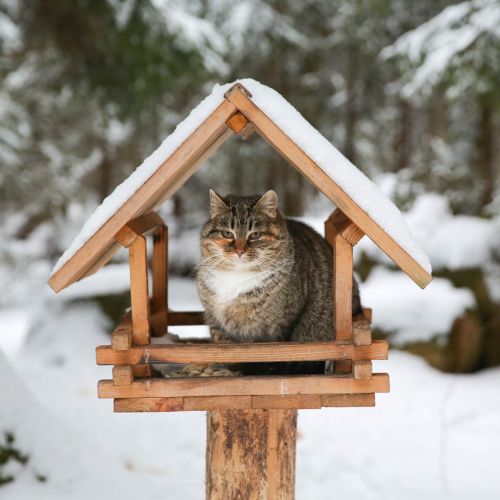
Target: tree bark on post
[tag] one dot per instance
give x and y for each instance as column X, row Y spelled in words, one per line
column 251, row 454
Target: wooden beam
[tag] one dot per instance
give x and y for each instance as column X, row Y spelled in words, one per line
column 159, row 298
column 121, row 338
column 207, row 403
column 347, row 400
column 241, row 126
column 362, row 370
column 243, row 386
column 300, row 160
column 140, row 226
column 139, row 291
column 296, row 401
column 336, row 227
column 339, row 224
column 240, row 353
column 362, row 332
column 167, row 179
column 123, row 375
column 148, row 405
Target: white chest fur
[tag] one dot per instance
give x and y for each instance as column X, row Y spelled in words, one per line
column 227, row 285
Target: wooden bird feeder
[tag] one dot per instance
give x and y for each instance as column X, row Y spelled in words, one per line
column 251, row 420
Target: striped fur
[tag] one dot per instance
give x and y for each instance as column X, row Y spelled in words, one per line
column 264, row 278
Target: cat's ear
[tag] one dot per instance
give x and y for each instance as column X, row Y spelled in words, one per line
column 217, row 205
column 268, row 203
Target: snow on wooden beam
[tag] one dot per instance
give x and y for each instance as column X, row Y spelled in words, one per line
column 323, row 182
column 163, row 183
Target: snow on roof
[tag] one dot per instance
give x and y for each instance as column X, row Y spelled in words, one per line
column 361, row 189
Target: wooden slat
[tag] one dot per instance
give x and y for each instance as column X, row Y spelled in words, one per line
column 298, row 158
column 362, row 370
column 148, row 404
column 121, row 338
column 362, row 332
column 184, row 318
column 240, row 353
column 241, row 126
column 347, row 400
column 159, row 298
column 342, row 269
column 123, row 375
column 169, row 177
column 343, row 226
column 207, row 403
column 140, row 226
column 299, row 401
column 237, row 123
column 368, row 314
column 139, row 291
column 243, row 386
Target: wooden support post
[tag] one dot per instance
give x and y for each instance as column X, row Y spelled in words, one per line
column 342, row 234
column 139, row 291
column 251, row 454
column 159, row 299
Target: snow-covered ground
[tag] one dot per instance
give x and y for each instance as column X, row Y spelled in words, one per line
column 433, row 436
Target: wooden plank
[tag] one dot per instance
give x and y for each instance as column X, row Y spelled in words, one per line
column 251, row 455
column 300, row 160
column 299, row 401
column 207, row 403
column 362, row 370
column 123, row 375
column 243, row 386
column 121, row 338
column 237, row 123
column 368, row 314
column 159, row 298
column 139, row 291
column 169, row 177
column 362, row 332
column 241, row 126
column 148, row 404
column 184, row 318
column 347, row 400
column 140, row 226
column 343, row 226
column 240, row 353
column 342, row 288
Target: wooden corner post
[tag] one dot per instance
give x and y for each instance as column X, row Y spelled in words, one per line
column 342, row 234
column 146, row 317
column 251, row 454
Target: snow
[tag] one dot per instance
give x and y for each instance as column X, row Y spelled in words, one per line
column 434, row 436
column 411, row 314
column 451, row 241
column 332, row 162
column 435, row 45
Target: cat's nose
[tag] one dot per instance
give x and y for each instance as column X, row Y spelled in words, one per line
column 240, row 251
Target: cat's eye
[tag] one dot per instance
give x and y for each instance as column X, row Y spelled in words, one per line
column 255, row 235
column 228, row 235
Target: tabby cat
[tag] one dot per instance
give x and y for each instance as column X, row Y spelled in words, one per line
column 262, row 277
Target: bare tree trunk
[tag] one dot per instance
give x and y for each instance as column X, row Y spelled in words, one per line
column 350, row 109
column 251, row 454
column 485, row 153
column 402, row 144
